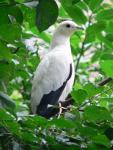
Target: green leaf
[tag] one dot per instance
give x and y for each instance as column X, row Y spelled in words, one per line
column 109, row 37
column 29, row 15
column 6, row 102
column 66, row 3
column 104, row 102
column 109, row 132
column 107, row 67
column 94, row 4
column 102, row 140
column 75, row 1
column 42, row 35
column 74, row 12
column 7, row 10
column 69, row 2
column 105, row 41
column 10, row 33
column 77, row 15
column 6, row 70
column 91, row 35
column 97, row 114
column 106, row 56
column 4, row 52
column 34, row 121
column 61, row 146
column 93, row 146
column 79, row 96
column 87, row 131
column 83, row 5
column 92, row 90
column 98, row 27
column 106, row 14
column 97, row 55
column 46, row 15
column 19, row 1
column 13, row 127
column 62, row 123
column 21, row 73
column 28, row 137
column 110, row 26
column 5, row 116
column 4, row 1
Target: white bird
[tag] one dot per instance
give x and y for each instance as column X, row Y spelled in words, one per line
column 54, row 76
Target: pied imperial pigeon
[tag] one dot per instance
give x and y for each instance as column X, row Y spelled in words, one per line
column 54, row 76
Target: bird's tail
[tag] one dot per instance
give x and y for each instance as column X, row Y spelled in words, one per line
column 48, row 112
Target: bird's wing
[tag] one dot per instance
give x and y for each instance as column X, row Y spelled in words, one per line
column 50, row 79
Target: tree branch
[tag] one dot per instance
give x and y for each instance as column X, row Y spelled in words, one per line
column 105, row 81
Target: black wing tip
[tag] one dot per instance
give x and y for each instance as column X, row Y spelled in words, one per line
column 50, row 112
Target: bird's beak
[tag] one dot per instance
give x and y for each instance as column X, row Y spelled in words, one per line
column 77, row 27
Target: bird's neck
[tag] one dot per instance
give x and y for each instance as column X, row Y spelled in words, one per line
column 60, row 40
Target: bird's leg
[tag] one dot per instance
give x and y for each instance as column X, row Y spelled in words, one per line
column 61, row 109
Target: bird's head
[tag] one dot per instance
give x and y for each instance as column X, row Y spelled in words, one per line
column 63, row 33
column 66, row 28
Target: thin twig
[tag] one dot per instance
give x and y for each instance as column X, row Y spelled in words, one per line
column 79, row 57
column 82, row 49
column 94, row 97
column 97, row 96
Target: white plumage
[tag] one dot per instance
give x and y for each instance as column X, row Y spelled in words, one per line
column 54, row 76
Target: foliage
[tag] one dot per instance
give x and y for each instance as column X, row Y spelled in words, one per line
column 88, row 124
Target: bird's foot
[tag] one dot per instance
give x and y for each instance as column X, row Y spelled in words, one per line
column 61, row 109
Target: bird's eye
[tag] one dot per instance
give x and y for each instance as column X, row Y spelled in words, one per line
column 68, row 25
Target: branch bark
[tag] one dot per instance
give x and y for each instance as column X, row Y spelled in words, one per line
column 105, row 81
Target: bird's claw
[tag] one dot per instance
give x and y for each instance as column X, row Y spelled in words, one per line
column 61, row 109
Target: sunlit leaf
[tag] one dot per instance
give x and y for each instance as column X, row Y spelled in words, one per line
column 92, row 90
column 74, row 12
column 107, row 67
column 94, row 4
column 97, row 114
column 10, row 33
column 79, row 95
column 101, row 139
column 106, row 14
